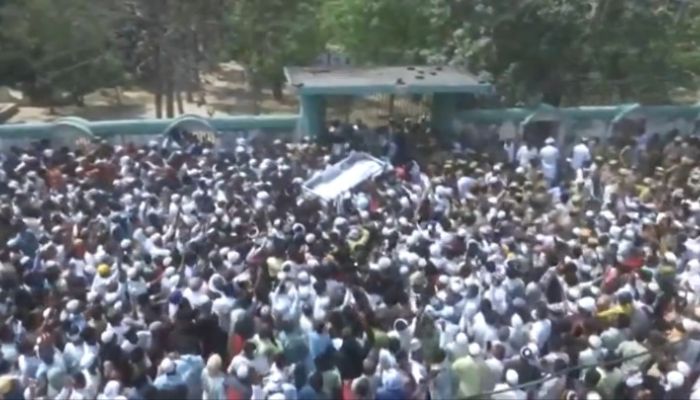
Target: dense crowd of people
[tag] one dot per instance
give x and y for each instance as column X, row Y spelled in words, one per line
column 189, row 271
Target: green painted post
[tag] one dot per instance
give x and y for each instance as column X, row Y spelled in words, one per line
column 312, row 115
column 444, row 112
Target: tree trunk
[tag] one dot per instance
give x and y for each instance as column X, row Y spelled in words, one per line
column 118, row 93
column 255, row 89
column 392, row 101
column 192, row 72
column 277, row 92
column 170, row 98
column 180, row 105
column 158, row 95
column 158, row 98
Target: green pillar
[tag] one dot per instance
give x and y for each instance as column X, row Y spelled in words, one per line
column 444, row 112
column 312, row 115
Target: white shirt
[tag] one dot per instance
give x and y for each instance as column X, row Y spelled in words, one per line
column 464, row 185
column 514, row 394
column 238, row 361
column 540, row 332
column 580, row 156
column 196, row 298
column 549, row 156
column 524, row 156
column 510, row 150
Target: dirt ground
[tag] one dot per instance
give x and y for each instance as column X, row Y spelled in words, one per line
column 226, row 93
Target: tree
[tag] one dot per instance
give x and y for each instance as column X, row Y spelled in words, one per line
column 384, row 32
column 558, row 51
column 269, row 34
column 57, row 49
column 168, row 44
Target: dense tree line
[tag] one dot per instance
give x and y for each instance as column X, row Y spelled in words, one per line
column 554, row 51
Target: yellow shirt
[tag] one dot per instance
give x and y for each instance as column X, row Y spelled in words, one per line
column 612, row 313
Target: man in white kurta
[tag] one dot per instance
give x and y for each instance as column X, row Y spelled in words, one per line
column 549, row 158
column 580, row 156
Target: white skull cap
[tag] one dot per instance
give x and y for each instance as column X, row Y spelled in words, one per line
column 167, row 365
column 384, row 262
column 474, row 349
column 107, row 336
column 675, row 379
column 512, row 377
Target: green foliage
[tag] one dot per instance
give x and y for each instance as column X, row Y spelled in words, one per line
column 378, row 31
column 556, row 51
column 266, row 35
column 56, row 48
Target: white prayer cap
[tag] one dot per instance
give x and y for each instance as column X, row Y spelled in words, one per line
column 593, row 396
column 92, row 296
column 312, row 263
column 670, row 257
column 587, row 304
column 262, row 195
column 574, row 293
column 595, row 342
column 443, row 279
column 674, row 380
column 303, row 277
column 512, row 377
column 127, row 346
column 107, row 336
column 384, row 263
column 276, row 396
column 404, row 270
column 167, row 366
column 233, row 256
column 549, row 140
column 456, row 284
column 72, row 305
column 461, row 339
column 362, row 202
column 474, row 349
column 132, row 272
column 310, row 238
column 339, row 221
column 654, row 287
